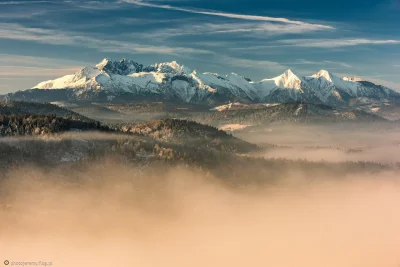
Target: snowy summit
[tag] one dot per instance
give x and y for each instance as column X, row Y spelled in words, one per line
column 170, row 80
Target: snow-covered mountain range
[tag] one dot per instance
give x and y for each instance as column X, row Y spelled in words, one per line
column 170, row 80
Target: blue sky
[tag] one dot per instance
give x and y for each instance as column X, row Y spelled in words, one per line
column 45, row 39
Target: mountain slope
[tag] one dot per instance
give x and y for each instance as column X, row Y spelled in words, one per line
column 287, row 112
column 170, row 81
column 336, row 91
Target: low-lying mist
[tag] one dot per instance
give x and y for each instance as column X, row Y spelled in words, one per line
column 384, row 155
column 112, row 215
column 329, row 142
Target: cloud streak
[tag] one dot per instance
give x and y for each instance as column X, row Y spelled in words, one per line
column 32, row 61
column 23, row 2
column 322, row 62
column 256, row 30
column 21, row 72
column 54, row 37
column 250, row 63
column 229, row 15
column 317, row 43
column 331, row 43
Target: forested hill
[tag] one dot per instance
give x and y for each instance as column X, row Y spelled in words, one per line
column 180, row 132
column 24, row 108
column 288, row 112
column 36, row 125
column 190, row 133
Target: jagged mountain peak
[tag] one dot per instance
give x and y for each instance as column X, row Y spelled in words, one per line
column 288, row 80
column 122, row 67
column 172, row 80
column 102, row 63
column 324, row 74
column 288, row 72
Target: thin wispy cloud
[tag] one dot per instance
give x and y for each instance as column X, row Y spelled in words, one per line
column 18, row 66
column 33, row 61
column 322, row 62
column 316, row 43
column 94, row 5
column 331, row 43
column 251, row 29
column 55, row 37
column 250, row 63
column 228, row 15
column 23, row 71
column 23, row 2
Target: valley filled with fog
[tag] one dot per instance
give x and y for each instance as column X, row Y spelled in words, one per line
column 294, row 187
column 328, row 142
column 108, row 213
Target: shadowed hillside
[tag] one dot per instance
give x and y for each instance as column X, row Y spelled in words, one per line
column 23, row 108
column 190, row 133
column 285, row 113
column 36, row 125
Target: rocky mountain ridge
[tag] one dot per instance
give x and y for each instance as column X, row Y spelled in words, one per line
column 170, row 81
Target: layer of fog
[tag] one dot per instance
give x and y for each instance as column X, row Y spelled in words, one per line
column 110, row 216
column 329, row 142
column 384, row 154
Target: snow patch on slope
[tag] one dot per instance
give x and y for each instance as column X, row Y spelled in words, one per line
column 171, row 67
column 353, row 79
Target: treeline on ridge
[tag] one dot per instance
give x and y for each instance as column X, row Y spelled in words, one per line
column 190, row 133
column 286, row 113
column 24, row 108
column 35, row 125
